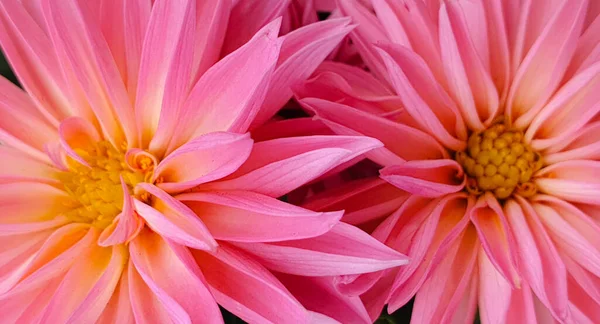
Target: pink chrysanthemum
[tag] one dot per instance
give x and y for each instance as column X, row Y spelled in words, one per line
column 130, row 189
column 490, row 179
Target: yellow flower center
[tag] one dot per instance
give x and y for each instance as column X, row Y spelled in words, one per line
column 497, row 160
column 96, row 190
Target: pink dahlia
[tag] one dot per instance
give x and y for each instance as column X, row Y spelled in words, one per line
column 130, row 189
column 490, row 175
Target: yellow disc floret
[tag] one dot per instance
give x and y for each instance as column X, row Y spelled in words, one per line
column 96, row 190
column 497, row 160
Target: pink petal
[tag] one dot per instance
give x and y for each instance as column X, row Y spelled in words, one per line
column 496, row 239
column 290, row 128
column 427, row 178
column 250, row 217
column 495, row 293
column 165, row 76
column 248, row 290
column 77, row 133
column 174, row 284
column 247, row 17
column 21, row 125
column 541, row 70
column 383, row 199
column 572, row 231
column 539, row 263
column 87, row 287
column 420, row 93
column 556, row 122
column 301, row 52
column 20, row 167
column 206, row 158
column 147, row 307
column 438, row 299
column 125, row 226
column 319, row 295
column 469, row 81
column 376, row 298
column 136, row 15
column 430, row 241
column 343, row 250
column 585, row 145
column 29, row 50
column 574, row 181
column 74, row 30
column 369, row 30
column 416, row 144
column 227, row 96
column 17, row 207
column 279, row 166
column 583, row 307
column 118, row 309
column 172, row 219
column 588, row 48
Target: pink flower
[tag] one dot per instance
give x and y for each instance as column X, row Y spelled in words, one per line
column 490, row 178
column 130, row 188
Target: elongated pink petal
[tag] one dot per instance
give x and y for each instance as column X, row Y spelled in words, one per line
column 146, row 305
column 384, row 198
column 574, row 181
column 343, row 250
column 420, row 145
column 438, row 299
column 279, row 166
column 495, row 236
column 227, row 96
column 573, row 231
column 290, row 128
column 495, row 292
column 136, row 15
column 28, row 48
column 16, row 199
column 21, row 125
column 420, row 92
column 93, row 65
column 543, row 67
column 125, row 226
column 173, row 220
column 248, row 290
column 585, row 145
column 24, row 228
column 118, row 309
column 77, row 133
column 206, row 158
column 369, row 30
column 538, row 261
column 173, row 283
column 588, row 48
column 584, row 307
column 247, row 18
column 250, row 217
column 428, row 178
column 320, row 295
column 20, row 167
column 430, row 241
column 469, row 81
column 101, row 273
column 301, row 53
column 164, row 73
column 555, row 122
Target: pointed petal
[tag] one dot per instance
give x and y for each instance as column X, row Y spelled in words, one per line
column 173, row 220
column 542, row 69
column 279, row 166
column 585, row 145
column 227, row 96
column 427, row 178
column 125, row 226
column 320, row 295
column 417, row 144
column 118, row 309
column 136, row 15
column 147, row 307
column 20, row 167
column 301, row 53
column 206, row 158
column 241, row 216
column 173, row 283
column 343, row 250
column 30, row 136
column 17, row 207
column 248, row 290
column 496, row 239
column 494, row 292
column 539, row 263
column 571, row 180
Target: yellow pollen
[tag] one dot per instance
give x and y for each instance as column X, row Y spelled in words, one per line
column 96, row 190
column 497, row 160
